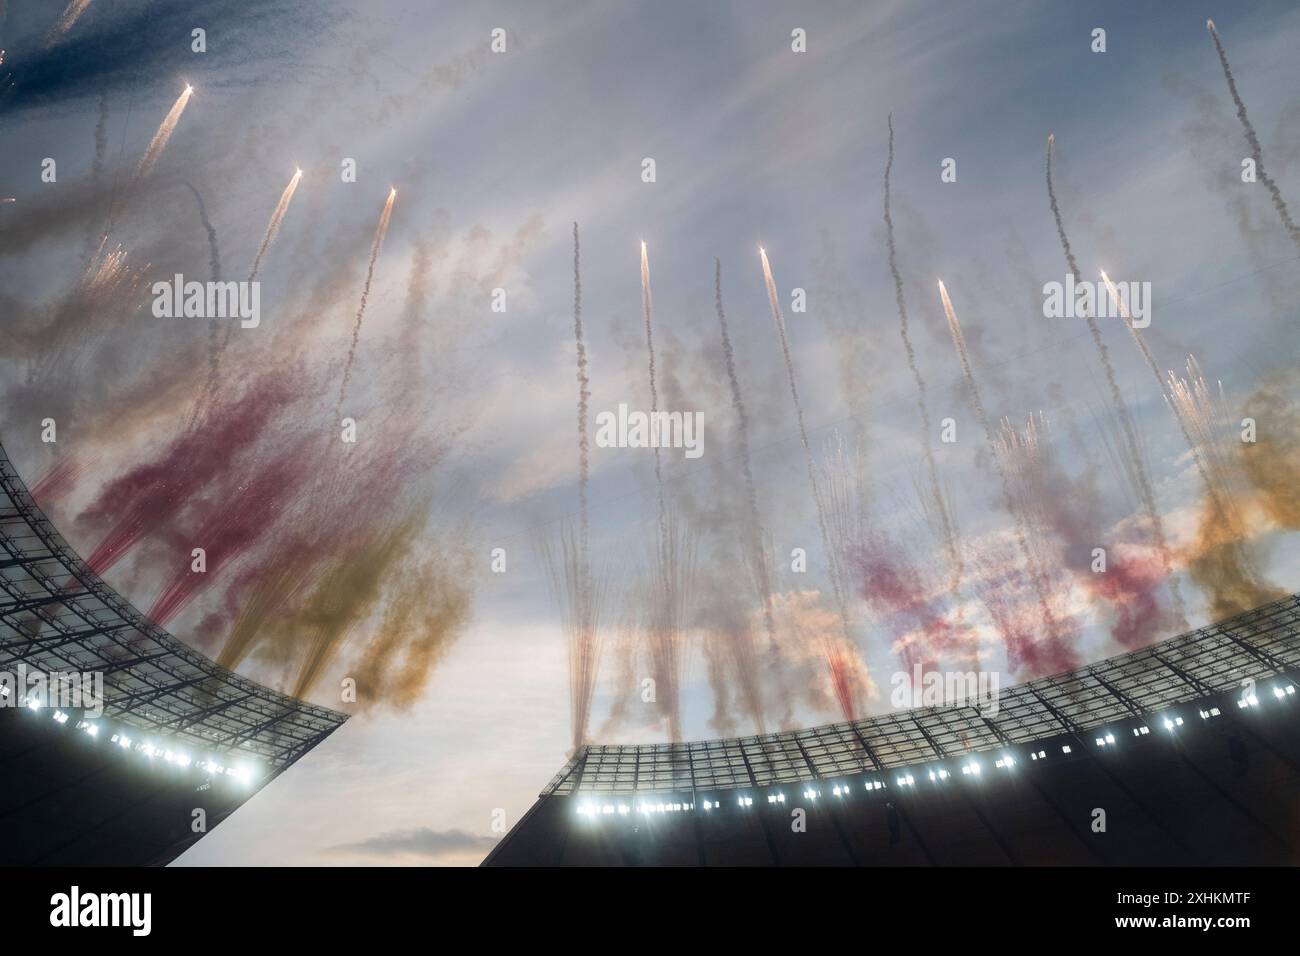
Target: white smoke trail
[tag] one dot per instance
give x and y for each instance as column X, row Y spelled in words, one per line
column 160, row 138
column 832, row 558
column 758, row 554
column 70, row 15
column 1136, row 463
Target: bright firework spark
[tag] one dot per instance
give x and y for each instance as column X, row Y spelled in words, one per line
column 160, row 138
column 69, row 16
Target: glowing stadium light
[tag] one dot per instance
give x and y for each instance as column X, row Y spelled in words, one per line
column 810, row 794
column 4, row 690
column 1279, row 693
column 33, row 703
column 1005, row 762
column 244, row 775
column 624, row 809
column 745, row 801
column 971, row 768
column 92, row 729
column 124, row 743
column 60, row 717
column 1290, row 689
column 1065, row 748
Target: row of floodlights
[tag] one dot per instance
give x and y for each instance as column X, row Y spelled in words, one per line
column 91, row 729
column 1281, row 693
column 971, row 768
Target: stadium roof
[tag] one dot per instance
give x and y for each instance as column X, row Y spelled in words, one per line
column 1210, row 660
column 56, row 615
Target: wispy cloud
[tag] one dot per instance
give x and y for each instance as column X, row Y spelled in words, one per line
column 421, row 841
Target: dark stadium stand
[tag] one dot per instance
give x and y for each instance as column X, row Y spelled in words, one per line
column 1185, row 752
column 178, row 733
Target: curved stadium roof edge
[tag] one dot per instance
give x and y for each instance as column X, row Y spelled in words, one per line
column 56, row 615
column 1258, row 644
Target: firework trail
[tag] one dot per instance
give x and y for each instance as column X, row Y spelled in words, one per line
column 160, row 138
column 647, row 307
column 1050, row 497
column 584, row 394
column 675, row 552
column 61, row 26
column 1137, row 464
column 277, row 217
column 883, row 574
column 1256, row 150
column 818, row 630
column 935, row 499
column 1220, row 562
column 217, row 343
column 675, row 563
column 214, row 270
column 1223, row 559
column 424, row 613
column 59, row 480
column 347, row 593
column 376, row 244
column 226, row 532
column 1216, row 492
column 214, row 251
column 581, row 599
column 762, row 571
column 1050, row 623
column 108, row 281
column 832, row 559
column 569, row 566
column 101, row 137
column 152, row 494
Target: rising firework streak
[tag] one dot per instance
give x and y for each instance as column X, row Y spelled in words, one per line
column 674, row 551
column 277, row 217
column 832, row 559
column 159, row 141
column 69, row 16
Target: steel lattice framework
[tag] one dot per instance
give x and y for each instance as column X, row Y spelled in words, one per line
column 56, row 615
column 1259, row 644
